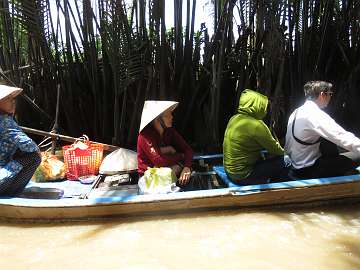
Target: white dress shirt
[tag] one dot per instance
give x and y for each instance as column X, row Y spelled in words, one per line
column 311, row 124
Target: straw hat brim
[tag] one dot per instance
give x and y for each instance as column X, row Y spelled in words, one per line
column 154, row 108
column 8, row 91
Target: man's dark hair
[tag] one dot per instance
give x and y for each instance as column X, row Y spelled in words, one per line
column 312, row 89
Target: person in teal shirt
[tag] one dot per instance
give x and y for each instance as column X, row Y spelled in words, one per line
column 246, row 136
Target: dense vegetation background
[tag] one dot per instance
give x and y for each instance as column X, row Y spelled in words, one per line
column 107, row 57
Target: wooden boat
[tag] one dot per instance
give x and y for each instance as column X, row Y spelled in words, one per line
column 124, row 200
column 72, row 200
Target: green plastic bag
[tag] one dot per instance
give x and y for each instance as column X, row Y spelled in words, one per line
column 158, row 181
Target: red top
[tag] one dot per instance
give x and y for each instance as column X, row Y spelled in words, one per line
column 148, row 149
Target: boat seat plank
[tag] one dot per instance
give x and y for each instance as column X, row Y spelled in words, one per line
column 220, row 171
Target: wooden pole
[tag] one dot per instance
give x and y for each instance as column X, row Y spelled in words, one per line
column 107, row 147
column 55, row 127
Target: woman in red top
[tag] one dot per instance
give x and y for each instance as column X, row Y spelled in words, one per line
column 159, row 144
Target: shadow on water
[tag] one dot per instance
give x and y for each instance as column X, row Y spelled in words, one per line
column 344, row 212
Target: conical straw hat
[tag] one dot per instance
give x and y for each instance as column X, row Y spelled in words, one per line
column 6, row 91
column 152, row 109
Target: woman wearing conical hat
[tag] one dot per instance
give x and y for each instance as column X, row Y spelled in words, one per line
column 159, row 144
column 19, row 155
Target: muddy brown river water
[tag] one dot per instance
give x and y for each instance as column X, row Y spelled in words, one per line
column 319, row 238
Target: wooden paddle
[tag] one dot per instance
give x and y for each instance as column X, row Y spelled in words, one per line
column 41, row 193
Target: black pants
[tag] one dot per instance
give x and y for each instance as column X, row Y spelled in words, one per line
column 15, row 185
column 331, row 163
column 266, row 171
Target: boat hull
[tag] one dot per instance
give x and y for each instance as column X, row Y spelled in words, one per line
column 273, row 195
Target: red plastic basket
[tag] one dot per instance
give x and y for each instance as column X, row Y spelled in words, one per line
column 82, row 162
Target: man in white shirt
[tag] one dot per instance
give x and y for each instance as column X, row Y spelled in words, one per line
column 307, row 126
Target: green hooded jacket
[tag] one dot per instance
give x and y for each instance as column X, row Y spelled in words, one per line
column 246, row 135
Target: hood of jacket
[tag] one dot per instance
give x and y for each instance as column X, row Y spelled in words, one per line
column 253, row 103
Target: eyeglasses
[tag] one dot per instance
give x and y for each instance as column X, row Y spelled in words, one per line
column 330, row 93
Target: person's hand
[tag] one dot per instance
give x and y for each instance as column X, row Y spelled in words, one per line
column 287, row 161
column 185, row 176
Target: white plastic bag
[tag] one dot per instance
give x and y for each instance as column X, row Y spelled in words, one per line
column 158, row 181
column 119, row 160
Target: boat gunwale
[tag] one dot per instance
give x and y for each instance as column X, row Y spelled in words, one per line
column 317, row 194
column 158, row 198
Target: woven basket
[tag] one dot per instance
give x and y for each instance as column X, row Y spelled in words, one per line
column 82, row 158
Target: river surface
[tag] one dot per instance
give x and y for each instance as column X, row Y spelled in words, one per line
column 322, row 238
